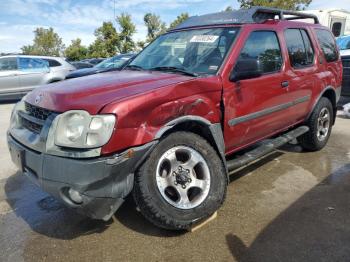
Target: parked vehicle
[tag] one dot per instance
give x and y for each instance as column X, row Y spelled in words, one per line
column 338, row 20
column 164, row 126
column 81, row 65
column 93, row 61
column 344, row 46
column 111, row 64
column 20, row 74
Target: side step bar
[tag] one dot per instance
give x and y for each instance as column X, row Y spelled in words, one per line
column 265, row 148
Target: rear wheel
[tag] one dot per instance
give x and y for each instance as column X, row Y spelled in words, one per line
column 320, row 124
column 182, row 182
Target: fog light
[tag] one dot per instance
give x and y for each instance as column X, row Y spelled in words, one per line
column 75, row 196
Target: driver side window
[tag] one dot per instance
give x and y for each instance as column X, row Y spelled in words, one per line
column 264, row 47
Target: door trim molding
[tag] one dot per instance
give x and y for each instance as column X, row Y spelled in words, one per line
column 267, row 111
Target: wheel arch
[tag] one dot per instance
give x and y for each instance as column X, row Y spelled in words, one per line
column 331, row 94
column 211, row 132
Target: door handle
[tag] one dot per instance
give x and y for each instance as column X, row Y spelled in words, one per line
column 285, row 84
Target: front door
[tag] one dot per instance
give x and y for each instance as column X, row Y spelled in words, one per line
column 257, row 107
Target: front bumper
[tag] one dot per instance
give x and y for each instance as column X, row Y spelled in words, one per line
column 102, row 182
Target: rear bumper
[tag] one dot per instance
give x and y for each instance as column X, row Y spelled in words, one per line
column 102, row 183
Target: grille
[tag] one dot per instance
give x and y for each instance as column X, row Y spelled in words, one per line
column 34, row 127
column 37, row 112
column 33, row 118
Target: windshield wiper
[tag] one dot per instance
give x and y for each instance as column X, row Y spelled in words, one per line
column 134, row 67
column 174, row 69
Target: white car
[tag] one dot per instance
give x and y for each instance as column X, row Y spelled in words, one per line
column 19, row 74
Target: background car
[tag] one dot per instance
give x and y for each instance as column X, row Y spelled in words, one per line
column 19, row 74
column 81, row 65
column 93, row 61
column 111, row 64
column 344, row 46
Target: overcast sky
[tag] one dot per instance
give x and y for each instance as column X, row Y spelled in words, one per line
column 79, row 18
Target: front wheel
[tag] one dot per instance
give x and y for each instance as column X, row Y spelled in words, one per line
column 320, row 124
column 182, row 182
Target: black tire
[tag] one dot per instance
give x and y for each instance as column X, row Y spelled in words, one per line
column 310, row 141
column 153, row 205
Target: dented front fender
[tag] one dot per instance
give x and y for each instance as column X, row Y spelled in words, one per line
column 141, row 117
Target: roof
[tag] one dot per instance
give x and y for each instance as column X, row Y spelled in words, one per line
column 37, row 56
column 252, row 15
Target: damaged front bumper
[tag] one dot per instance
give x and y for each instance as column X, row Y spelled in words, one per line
column 100, row 184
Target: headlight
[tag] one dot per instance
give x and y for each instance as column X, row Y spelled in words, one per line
column 14, row 122
column 78, row 129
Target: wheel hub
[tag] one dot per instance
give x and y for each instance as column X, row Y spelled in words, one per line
column 182, row 177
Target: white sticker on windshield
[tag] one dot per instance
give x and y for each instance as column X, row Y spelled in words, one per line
column 204, row 38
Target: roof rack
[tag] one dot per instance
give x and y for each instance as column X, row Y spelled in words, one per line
column 252, row 15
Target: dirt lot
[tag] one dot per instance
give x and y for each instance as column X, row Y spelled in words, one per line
column 292, row 206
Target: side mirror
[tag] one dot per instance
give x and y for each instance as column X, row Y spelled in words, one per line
column 245, row 69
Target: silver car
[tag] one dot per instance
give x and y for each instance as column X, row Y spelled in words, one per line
column 19, row 74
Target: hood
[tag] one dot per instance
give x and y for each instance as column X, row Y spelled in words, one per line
column 93, row 92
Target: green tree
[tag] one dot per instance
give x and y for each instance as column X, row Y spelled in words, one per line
column 106, row 43
column 127, row 30
column 140, row 45
column 28, row 50
column 283, row 4
column 155, row 26
column 179, row 19
column 76, row 51
column 229, row 8
column 46, row 42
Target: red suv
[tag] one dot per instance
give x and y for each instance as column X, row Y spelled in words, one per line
column 164, row 126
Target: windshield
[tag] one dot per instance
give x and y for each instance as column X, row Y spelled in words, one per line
column 114, row 62
column 198, row 51
column 343, row 43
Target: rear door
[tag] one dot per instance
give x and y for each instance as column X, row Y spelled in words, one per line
column 301, row 69
column 32, row 72
column 9, row 80
column 257, row 107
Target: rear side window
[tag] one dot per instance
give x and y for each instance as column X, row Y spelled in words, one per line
column 264, row 46
column 8, row 63
column 299, row 47
column 52, row 63
column 327, row 44
column 32, row 64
